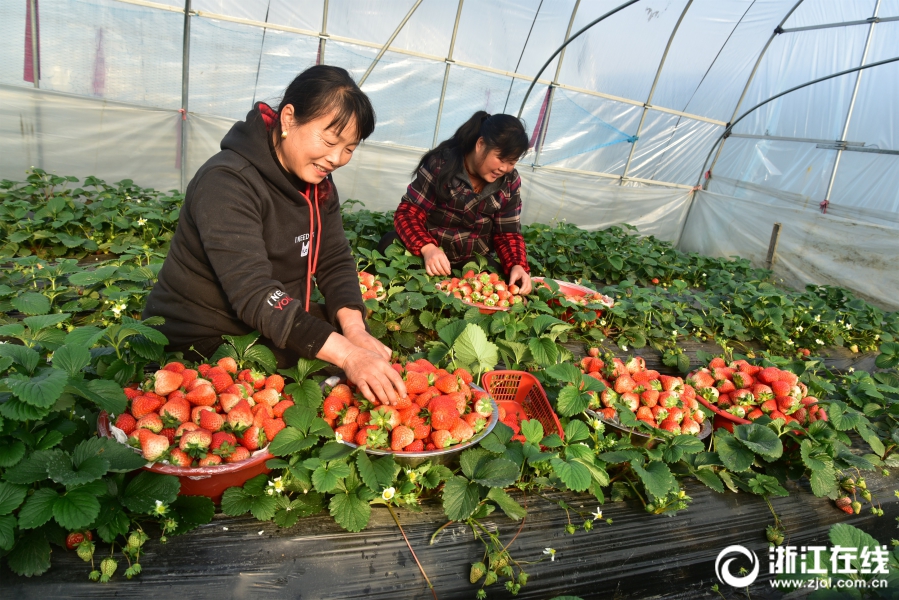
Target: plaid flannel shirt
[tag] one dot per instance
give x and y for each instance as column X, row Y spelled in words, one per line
column 469, row 223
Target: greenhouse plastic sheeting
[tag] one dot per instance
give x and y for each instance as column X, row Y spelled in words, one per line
column 814, row 248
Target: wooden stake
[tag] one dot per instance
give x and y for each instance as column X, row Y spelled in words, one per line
column 772, row 246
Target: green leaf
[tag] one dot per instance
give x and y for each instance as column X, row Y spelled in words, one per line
column 576, row 431
column 326, row 477
column 710, row 478
column 434, row 475
column 76, row 509
column 300, row 417
column 823, row 481
column 450, row 332
column 11, row 452
column 544, row 351
column 377, row 474
column 38, row 509
column 305, row 367
column 28, row 358
column 473, row 350
column 289, row 441
column 263, row 357
column 51, row 439
column 144, row 490
column 7, row 532
column 565, row 372
column 19, row 410
column 760, row 440
column 573, row 474
column 507, row 504
column 11, row 496
column 847, row 536
column 734, row 455
column 306, row 394
column 496, row 440
column 496, row 473
column 105, row 393
column 674, row 449
column 43, row 321
column 460, row 498
column 350, row 511
column 30, row 556
column 121, row 458
column 334, row 451
column 86, row 337
column 42, row 390
column 571, row 401
column 264, row 507
column 32, row 468
column 656, row 478
column 236, row 501
column 532, row 430
column 619, row 456
column 808, row 449
column 765, row 485
column 71, row 359
column 61, row 471
column 31, row 303
column 472, row 459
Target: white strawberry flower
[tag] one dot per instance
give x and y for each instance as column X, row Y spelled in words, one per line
column 142, row 222
column 275, row 486
column 789, row 342
column 338, row 436
column 161, row 508
column 551, row 552
column 819, row 342
column 597, row 514
column 388, row 494
column 799, row 328
column 818, row 318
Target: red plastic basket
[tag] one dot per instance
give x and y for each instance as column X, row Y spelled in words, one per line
column 523, row 388
column 204, row 481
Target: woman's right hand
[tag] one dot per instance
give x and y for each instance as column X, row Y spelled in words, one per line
column 436, row 262
column 374, row 376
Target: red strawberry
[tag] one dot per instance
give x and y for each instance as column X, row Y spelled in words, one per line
column 649, row 398
column 781, row 388
column 275, row 382
column 341, row 390
column 447, row 384
column 228, row 401
column 174, row 367
column 415, row 446
column 483, row 406
column 422, row 431
column 252, row 438
column 174, row 412
column 725, row 386
column 223, row 443
column 240, row 453
column 196, row 443
column 189, row 426
column 701, row 379
column 624, row 383
column 644, row 413
column 635, row 364
column 196, row 411
column 400, row 437
column 461, row 430
column 332, row 406
column 442, row 439
column 690, row 427
column 221, row 381
column 153, row 447
column 443, row 417
column 272, row 427
column 768, row 406
column 240, row 417
column 670, row 425
column 180, row 458
column 464, row 376
column 346, row 432
column 203, row 368
column 769, row 375
column 211, row 421
column 742, row 380
column 165, row 382
column 279, row 408
column 268, row 396
column 210, row 460
column 676, row 413
column 151, row 422
column 169, row 433
column 228, row 364
column 132, row 392
column 416, row 383
column 630, row 400
column 762, row 392
column 74, row 539
column 126, row 423
column 144, row 405
column 201, row 395
column 717, row 362
column 844, row 503
column 671, row 384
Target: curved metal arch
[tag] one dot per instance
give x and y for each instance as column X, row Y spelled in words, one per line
column 652, row 91
column 389, row 41
column 755, row 69
column 562, row 47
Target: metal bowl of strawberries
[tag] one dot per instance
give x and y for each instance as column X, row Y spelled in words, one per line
column 445, row 412
column 208, row 426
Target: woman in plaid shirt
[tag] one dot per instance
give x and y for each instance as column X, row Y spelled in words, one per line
column 466, row 199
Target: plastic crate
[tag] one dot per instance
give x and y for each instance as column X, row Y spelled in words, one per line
column 523, row 388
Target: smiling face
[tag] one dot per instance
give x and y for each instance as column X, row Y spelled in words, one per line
column 311, row 151
column 487, row 164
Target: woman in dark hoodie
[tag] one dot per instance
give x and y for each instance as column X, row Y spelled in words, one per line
column 261, row 225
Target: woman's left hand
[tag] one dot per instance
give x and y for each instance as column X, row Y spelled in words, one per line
column 358, row 336
column 518, row 274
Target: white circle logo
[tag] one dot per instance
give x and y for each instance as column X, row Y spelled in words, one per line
column 722, row 569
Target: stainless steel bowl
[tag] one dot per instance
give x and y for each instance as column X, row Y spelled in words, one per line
column 447, row 456
column 638, row 438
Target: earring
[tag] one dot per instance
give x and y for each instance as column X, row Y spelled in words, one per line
column 283, row 135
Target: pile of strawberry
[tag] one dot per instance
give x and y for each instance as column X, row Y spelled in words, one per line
column 513, row 420
column 441, row 409
column 482, row 289
column 371, row 288
column 589, row 298
column 204, row 416
column 749, row 391
column 667, row 403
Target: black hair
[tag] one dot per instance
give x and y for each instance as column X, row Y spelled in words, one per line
column 503, row 132
column 324, row 89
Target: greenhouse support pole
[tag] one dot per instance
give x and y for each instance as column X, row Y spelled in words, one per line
column 35, row 47
column 389, row 41
column 652, row 91
column 755, row 68
column 323, row 37
column 446, row 72
column 185, row 79
column 772, row 246
column 858, row 81
column 552, row 89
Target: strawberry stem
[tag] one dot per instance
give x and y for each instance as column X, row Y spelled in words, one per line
column 439, row 529
column 420, row 568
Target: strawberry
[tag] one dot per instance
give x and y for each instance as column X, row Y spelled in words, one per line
column 443, row 416
column 460, row 400
column 669, row 399
column 461, row 430
column 442, row 439
column 670, row 425
column 476, row 421
column 272, row 427
column 608, row 397
column 153, row 447
column 221, row 438
column 74, row 539
column 332, row 406
column 844, row 503
column 676, row 413
column 240, row 453
column 346, row 432
column 189, row 426
column 386, row 417
column 275, row 382
column 220, row 380
column 671, row 384
column 252, row 438
column 416, row 382
column 630, row 400
column 179, row 458
column 762, row 392
column 269, row 396
column 769, row 375
column 228, row 364
column 725, row 386
column 649, row 398
column 169, row 433
column 644, row 413
column 210, row 460
column 447, row 384
column 196, row 443
column 240, row 417
column 126, row 423
column 789, row 377
column 342, row 391
column 768, row 406
column 165, row 382
column 174, row 367
column 743, row 396
column 196, row 411
column 483, row 407
column 132, row 392
column 151, row 422
column 690, row 427
column 701, row 379
column 464, row 376
column 786, row 404
column 174, row 412
column 624, row 383
column 635, row 364
column 400, row 437
column 781, row 388
column 202, row 395
column 776, row 414
column 415, row 446
column 279, row 408
column 211, row 421
column 144, row 405
column 742, row 380
column 722, row 373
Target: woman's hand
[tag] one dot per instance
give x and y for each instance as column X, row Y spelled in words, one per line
column 519, row 274
column 358, row 336
column 436, row 262
column 374, row 376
